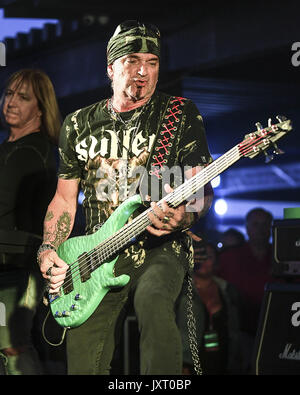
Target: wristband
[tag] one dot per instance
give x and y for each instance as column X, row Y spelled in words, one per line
column 42, row 248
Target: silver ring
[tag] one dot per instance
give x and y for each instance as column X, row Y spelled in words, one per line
column 166, row 219
column 48, row 272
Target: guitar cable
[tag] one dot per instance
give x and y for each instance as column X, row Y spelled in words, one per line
column 44, row 335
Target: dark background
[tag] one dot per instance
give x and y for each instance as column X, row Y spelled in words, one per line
column 233, row 58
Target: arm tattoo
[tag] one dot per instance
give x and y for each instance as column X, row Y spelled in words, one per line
column 59, row 232
column 49, row 216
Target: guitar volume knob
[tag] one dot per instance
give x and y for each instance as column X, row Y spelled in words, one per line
column 65, row 313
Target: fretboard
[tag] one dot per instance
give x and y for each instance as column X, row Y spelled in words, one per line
column 130, row 231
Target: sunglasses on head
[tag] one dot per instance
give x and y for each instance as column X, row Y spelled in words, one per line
column 131, row 24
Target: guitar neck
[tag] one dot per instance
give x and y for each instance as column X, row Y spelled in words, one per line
column 192, row 185
column 130, row 231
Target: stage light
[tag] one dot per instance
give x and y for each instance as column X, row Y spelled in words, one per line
column 80, row 197
column 221, row 207
column 216, row 182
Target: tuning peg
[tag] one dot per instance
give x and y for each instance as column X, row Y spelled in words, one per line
column 281, row 118
column 268, row 157
column 277, row 150
column 258, row 126
column 269, row 122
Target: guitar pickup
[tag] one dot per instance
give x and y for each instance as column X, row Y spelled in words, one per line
column 68, row 283
column 85, row 268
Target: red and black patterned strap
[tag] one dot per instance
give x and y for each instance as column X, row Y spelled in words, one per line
column 163, row 142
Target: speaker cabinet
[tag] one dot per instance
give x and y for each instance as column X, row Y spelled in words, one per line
column 277, row 343
column 286, row 248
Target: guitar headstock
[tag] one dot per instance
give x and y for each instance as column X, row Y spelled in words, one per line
column 265, row 138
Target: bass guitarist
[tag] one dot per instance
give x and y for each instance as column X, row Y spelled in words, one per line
column 103, row 148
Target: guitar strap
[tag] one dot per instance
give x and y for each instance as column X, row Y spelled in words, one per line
column 163, row 151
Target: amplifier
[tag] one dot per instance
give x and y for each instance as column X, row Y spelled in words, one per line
column 277, row 343
column 286, row 248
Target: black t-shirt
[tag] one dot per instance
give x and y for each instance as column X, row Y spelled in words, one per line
column 106, row 153
column 27, row 182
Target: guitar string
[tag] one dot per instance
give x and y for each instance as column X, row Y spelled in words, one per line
column 175, row 198
column 192, row 187
column 100, row 257
column 140, row 227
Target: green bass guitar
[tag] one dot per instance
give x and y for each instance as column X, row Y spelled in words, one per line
column 91, row 258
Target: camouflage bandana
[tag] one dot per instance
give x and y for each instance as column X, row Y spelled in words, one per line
column 133, row 37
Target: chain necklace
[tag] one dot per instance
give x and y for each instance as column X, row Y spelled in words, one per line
column 117, row 117
column 132, row 123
